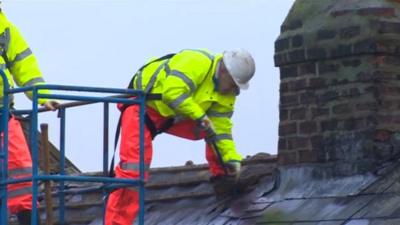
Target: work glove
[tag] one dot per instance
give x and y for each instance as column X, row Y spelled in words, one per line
column 51, row 105
column 224, row 186
column 233, row 168
column 206, row 125
column 227, row 185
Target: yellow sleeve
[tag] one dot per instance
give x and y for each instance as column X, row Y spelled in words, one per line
column 22, row 63
column 220, row 114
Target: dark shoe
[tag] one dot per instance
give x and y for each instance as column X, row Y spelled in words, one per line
column 24, row 218
column 224, row 186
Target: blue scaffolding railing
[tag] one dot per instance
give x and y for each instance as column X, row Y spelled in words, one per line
column 124, row 96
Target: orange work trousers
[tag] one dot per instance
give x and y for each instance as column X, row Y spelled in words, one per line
column 19, row 166
column 123, row 203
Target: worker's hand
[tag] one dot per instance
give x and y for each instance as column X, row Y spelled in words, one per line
column 205, row 124
column 51, row 105
column 233, row 168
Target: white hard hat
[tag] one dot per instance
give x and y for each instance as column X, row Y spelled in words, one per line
column 240, row 66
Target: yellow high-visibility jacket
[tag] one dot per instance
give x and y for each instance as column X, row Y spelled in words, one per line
column 187, row 83
column 20, row 65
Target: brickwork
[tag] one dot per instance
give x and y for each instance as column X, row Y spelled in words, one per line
column 340, row 82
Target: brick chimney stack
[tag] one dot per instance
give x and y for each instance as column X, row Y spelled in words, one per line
column 339, row 66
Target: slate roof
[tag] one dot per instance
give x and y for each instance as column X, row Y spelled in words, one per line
column 186, row 190
column 313, row 194
column 296, row 195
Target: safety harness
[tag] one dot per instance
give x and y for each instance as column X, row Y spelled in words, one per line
column 154, row 131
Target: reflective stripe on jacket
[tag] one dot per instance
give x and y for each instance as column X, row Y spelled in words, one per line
column 20, row 64
column 186, row 82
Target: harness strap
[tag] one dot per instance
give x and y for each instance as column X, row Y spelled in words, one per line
column 153, row 129
column 151, row 126
column 149, row 123
column 130, row 86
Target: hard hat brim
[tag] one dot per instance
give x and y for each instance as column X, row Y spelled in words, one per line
column 244, row 86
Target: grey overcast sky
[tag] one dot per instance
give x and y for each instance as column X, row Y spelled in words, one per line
column 103, row 42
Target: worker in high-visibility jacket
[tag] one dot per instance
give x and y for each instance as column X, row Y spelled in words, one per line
column 21, row 67
column 198, row 95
